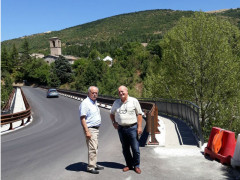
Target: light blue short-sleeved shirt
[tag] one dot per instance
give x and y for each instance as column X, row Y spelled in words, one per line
column 90, row 110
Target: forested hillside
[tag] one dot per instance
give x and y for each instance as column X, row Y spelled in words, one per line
column 139, row 26
column 143, row 26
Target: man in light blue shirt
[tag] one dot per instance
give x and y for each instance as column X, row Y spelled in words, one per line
column 91, row 120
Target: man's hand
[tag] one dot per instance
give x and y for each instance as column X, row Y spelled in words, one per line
column 85, row 128
column 88, row 135
column 115, row 125
column 139, row 122
column 139, row 130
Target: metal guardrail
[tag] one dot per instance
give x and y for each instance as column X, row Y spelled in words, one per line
column 7, row 108
column 184, row 110
column 19, row 116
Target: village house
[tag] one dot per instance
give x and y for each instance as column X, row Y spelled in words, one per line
column 108, row 60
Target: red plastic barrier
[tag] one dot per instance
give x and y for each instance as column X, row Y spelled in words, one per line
column 214, row 131
column 228, row 146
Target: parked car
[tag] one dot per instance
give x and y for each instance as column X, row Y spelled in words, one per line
column 52, row 93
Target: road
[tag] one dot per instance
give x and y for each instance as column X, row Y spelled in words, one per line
column 53, row 147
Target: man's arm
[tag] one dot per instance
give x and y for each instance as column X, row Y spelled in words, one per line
column 139, row 122
column 85, row 128
column 115, row 124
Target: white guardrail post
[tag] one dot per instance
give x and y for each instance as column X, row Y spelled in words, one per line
column 235, row 161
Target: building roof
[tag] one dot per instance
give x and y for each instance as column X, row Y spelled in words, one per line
column 51, row 56
column 37, row 55
column 107, row 58
column 69, row 57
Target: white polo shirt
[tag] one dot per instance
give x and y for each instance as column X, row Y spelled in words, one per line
column 126, row 113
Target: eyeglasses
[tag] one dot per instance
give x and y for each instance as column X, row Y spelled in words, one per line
column 94, row 93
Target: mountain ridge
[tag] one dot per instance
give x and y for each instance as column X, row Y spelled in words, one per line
column 142, row 26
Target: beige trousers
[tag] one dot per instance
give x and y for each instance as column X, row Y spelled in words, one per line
column 92, row 144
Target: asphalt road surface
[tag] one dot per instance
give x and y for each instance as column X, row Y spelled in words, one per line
column 53, row 147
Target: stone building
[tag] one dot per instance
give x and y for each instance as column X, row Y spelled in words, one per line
column 56, row 51
column 55, row 46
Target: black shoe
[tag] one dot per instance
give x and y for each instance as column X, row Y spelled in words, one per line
column 93, row 171
column 99, row 167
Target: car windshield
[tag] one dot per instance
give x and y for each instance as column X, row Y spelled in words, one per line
column 52, row 91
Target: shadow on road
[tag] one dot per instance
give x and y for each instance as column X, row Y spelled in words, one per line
column 81, row 166
column 144, row 137
column 113, row 165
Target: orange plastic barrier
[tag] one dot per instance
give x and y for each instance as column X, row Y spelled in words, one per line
column 217, row 142
column 224, row 145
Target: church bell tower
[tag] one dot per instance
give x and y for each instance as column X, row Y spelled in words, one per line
column 55, row 46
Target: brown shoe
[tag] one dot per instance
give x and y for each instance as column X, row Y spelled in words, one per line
column 126, row 168
column 138, row 170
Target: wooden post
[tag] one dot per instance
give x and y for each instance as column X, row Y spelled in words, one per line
column 156, row 125
column 153, row 139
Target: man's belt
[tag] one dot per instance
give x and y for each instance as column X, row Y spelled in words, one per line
column 128, row 126
column 95, row 127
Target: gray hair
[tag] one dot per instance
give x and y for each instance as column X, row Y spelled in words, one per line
column 123, row 87
column 89, row 89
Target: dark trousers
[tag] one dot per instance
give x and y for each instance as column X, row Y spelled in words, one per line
column 129, row 139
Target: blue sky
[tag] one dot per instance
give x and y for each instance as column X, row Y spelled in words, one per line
column 26, row 17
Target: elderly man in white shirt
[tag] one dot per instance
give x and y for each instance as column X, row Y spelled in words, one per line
column 126, row 116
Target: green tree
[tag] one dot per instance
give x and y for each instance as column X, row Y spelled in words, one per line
column 6, row 87
column 89, row 72
column 25, row 57
column 4, row 59
column 40, row 71
column 94, row 55
column 201, row 64
column 9, row 60
column 53, row 80
column 14, row 56
column 111, row 80
column 63, row 70
column 94, row 72
column 155, row 48
column 23, row 64
column 79, row 68
column 18, row 76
